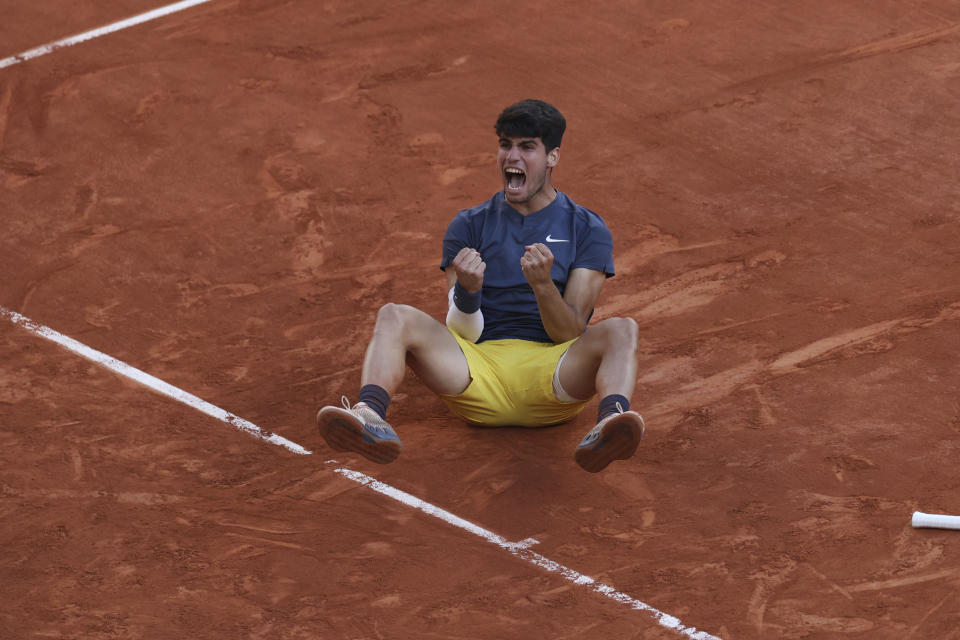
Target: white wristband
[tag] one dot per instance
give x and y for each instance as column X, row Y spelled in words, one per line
column 934, row 520
column 468, row 326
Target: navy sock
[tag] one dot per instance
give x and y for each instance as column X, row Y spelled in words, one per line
column 609, row 405
column 376, row 398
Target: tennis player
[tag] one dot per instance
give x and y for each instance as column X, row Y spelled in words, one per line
column 524, row 272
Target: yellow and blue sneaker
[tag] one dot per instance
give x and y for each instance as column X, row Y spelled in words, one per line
column 359, row 429
column 616, row 437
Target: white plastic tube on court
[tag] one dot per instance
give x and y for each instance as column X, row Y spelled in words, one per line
column 935, row 521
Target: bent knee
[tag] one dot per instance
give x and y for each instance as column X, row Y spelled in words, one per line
column 623, row 331
column 395, row 315
column 404, row 322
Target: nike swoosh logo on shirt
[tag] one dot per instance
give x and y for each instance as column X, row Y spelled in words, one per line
column 550, row 238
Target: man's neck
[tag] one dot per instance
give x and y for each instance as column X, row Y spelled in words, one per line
column 539, row 202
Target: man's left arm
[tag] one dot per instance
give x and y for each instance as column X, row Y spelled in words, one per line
column 564, row 317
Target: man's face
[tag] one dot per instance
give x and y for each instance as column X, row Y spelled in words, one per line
column 525, row 166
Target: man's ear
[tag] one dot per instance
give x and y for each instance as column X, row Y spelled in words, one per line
column 553, row 157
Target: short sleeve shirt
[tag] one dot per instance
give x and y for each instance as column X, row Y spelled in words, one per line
column 577, row 237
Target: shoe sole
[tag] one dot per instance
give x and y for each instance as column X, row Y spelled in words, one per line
column 344, row 432
column 618, row 441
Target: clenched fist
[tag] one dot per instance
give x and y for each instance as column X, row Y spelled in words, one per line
column 536, row 264
column 469, row 267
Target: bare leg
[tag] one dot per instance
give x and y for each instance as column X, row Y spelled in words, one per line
column 603, row 360
column 405, row 335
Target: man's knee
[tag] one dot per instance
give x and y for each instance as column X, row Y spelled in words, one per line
column 394, row 316
column 403, row 322
column 623, row 332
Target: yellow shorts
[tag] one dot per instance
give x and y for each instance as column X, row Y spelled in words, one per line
column 512, row 384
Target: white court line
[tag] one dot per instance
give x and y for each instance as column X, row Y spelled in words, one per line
column 519, row 549
column 96, row 33
column 149, row 381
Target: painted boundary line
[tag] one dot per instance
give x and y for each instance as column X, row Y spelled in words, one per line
column 101, row 31
column 519, row 549
column 522, row 551
column 149, row 381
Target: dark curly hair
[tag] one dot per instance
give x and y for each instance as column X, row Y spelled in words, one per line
column 532, row 119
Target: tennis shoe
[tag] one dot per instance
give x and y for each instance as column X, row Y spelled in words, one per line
column 359, row 429
column 616, row 437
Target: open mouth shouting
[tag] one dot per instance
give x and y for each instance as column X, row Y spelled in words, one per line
column 514, row 180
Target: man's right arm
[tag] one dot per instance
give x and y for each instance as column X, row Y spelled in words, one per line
column 465, row 285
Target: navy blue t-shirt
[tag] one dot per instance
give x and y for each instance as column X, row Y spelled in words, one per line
column 577, row 237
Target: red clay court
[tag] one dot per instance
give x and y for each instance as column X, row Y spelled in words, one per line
column 223, row 197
